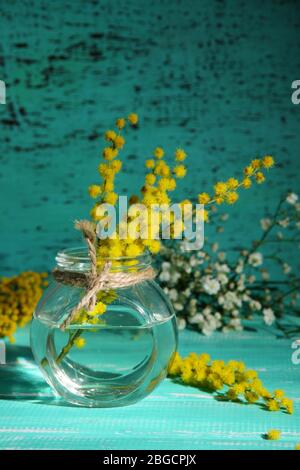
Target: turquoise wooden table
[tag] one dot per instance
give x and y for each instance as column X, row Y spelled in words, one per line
column 173, row 417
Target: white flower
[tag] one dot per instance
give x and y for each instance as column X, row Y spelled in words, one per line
column 239, row 267
column 255, row 305
column 207, row 329
column 269, row 316
column 265, row 275
column 222, row 267
column 165, row 266
column 222, row 278
column 292, row 198
column 207, row 311
column 236, row 324
column 198, row 318
column 255, row 259
column 164, row 276
column 241, row 283
column 191, row 310
column 230, row 300
column 221, row 255
column 286, row 268
column 265, row 223
column 210, row 325
column 178, row 306
column 173, row 295
column 284, row 222
column 181, row 323
column 210, row 285
column 245, row 298
column 193, row 261
column 175, row 276
column 279, row 235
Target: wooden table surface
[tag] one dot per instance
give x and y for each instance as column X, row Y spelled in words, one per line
column 173, row 417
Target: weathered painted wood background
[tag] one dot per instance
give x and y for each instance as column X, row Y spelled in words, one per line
column 212, row 76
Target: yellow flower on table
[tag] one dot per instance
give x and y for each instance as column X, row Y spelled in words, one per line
column 287, row 403
column 273, row 435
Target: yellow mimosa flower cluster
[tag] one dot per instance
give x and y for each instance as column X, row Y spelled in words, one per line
column 160, row 181
column 79, row 342
column 232, row 379
column 273, row 435
column 104, row 298
column 226, row 191
column 18, row 298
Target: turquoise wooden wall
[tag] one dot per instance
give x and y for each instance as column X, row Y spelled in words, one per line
column 211, row 76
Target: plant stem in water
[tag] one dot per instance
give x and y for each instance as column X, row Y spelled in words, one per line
column 65, row 349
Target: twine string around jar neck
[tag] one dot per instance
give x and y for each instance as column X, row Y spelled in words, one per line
column 94, row 281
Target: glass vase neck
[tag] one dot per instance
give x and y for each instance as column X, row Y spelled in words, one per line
column 78, row 260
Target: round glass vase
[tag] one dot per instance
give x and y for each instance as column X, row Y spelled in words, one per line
column 115, row 361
